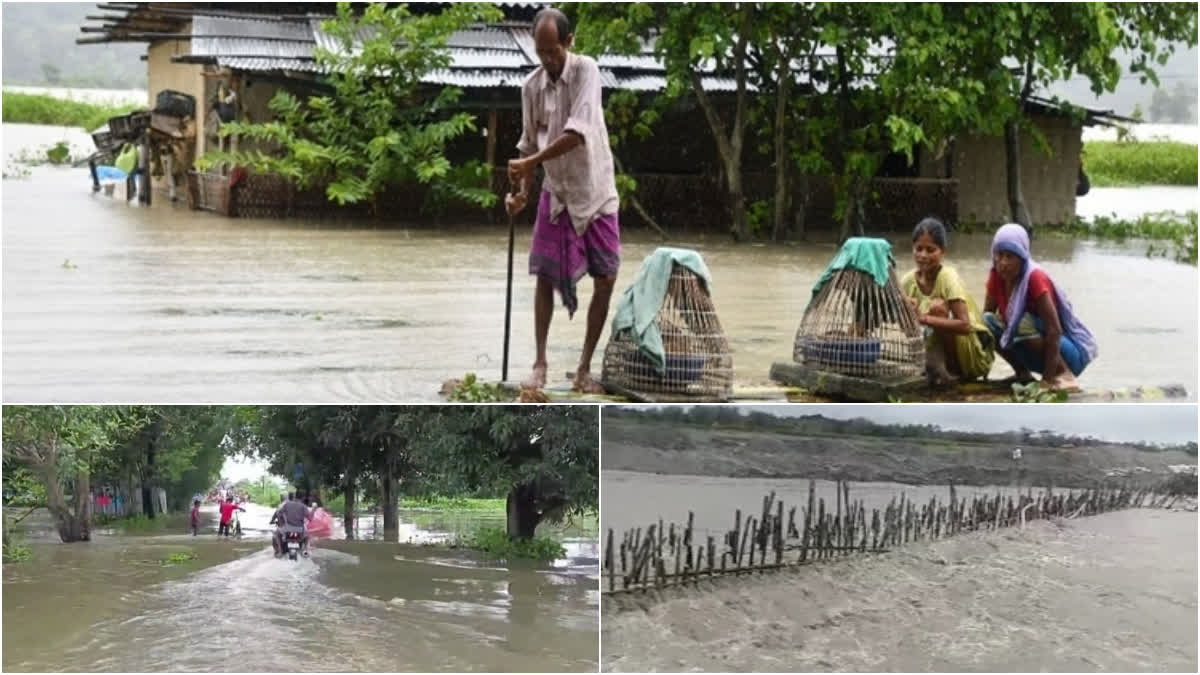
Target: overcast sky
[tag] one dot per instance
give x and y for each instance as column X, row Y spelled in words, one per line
column 1170, row 423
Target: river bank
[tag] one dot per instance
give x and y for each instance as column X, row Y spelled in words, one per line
column 629, row 445
column 1054, row 596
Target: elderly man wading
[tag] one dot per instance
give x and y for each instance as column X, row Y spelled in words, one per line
column 576, row 229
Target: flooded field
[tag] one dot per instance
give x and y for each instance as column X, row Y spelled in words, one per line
column 109, row 605
column 108, row 301
column 1113, row 592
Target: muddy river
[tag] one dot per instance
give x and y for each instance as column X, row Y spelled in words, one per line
column 1054, row 597
column 107, row 301
column 110, row 605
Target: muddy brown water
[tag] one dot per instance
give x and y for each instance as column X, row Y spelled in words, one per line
column 106, row 301
column 367, row 606
column 1113, row 592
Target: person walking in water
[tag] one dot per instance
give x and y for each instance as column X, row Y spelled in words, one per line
column 576, row 229
column 195, row 517
column 227, row 509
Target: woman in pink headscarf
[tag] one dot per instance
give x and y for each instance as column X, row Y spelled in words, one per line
column 320, row 523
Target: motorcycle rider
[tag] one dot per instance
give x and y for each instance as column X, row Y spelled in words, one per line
column 292, row 515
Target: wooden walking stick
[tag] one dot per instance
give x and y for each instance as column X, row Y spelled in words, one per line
column 508, row 294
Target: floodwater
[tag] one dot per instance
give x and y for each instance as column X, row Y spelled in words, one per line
column 108, row 605
column 634, row 499
column 1113, row 592
column 106, row 301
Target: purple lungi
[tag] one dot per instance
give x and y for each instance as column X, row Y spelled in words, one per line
column 562, row 256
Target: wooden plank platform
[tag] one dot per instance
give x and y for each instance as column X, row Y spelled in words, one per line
column 827, row 383
column 825, row 386
column 782, row 391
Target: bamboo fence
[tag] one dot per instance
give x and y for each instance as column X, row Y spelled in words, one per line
column 665, row 555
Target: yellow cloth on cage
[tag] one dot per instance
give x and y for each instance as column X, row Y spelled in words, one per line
column 637, row 310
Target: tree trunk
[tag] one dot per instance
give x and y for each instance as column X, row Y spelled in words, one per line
column 71, row 520
column 1012, row 156
column 782, row 202
column 1012, row 163
column 391, row 525
column 848, row 182
column 729, row 148
column 148, row 500
column 521, row 509
column 348, row 512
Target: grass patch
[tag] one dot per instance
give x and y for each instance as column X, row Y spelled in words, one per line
column 1172, row 234
column 178, row 559
column 141, row 523
column 442, row 503
column 471, row 390
column 42, row 109
column 1125, row 163
column 494, row 543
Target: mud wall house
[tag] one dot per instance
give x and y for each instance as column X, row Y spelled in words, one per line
column 255, row 49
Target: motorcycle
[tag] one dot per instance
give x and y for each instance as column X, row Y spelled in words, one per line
column 294, row 543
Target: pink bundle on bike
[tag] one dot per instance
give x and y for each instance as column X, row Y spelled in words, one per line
column 321, row 525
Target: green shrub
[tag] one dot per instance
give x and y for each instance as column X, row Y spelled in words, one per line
column 15, row 549
column 443, row 503
column 41, row 109
column 471, row 390
column 178, row 558
column 1116, row 163
column 495, row 543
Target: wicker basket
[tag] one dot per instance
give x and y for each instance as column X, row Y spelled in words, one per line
column 208, row 192
column 697, row 361
column 855, row 326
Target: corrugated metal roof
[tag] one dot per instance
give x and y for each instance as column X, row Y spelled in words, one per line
column 249, row 28
column 266, row 64
column 331, row 43
column 485, row 37
column 638, row 62
column 484, row 56
column 478, row 79
column 487, row 58
column 659, row 83
column 251, row 47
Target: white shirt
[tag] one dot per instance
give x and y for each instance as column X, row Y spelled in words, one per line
column 582, row 180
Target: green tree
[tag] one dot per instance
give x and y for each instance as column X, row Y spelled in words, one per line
column 379, row 127
column 690, row 39
column 544, row 458
column 60, row 445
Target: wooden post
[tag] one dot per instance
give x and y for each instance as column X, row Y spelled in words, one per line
column 753, row 540
column 806, row 537
column 778, row 543
column 608, row 561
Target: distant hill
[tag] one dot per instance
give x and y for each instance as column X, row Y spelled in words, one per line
column 40, row 49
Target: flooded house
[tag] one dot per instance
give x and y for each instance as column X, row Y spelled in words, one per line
column 233, row 57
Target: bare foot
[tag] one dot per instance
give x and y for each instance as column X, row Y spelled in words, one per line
column 537, row 380
column 1064, row 382
column 584, row 383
